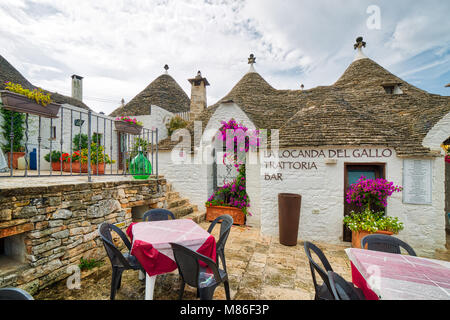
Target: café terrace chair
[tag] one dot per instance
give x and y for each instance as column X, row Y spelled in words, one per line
column 225, row 228
column 323, row 291
column 385, row 243
column 206, row 281
column 158, row 215
column 119, row 262
column 14, row 294
column 343, row 290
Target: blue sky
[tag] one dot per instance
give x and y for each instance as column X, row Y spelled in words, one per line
column 120, row 46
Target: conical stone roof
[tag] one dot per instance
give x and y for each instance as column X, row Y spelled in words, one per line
column 163, row 92
column 355, row 111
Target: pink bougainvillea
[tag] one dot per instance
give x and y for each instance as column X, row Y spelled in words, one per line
column 240, row 142
column 369, row 192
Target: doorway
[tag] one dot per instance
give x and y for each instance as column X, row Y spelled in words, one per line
column 353, row 172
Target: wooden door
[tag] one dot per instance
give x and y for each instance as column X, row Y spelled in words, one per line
column 353, row 173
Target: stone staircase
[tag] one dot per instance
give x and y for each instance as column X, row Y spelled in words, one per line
column 181, row 207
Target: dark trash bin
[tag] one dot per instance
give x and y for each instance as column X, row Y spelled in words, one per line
column 289, row 217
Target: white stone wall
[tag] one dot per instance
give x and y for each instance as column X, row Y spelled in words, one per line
column 321, row 187
column 322, row 208
column 157, row 119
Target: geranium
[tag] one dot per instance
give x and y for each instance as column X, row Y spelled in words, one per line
column 129, row 120
column 65, row 157
column 369, row 192
column 447, row 158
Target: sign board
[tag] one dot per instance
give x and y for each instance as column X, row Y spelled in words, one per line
column 417, row 181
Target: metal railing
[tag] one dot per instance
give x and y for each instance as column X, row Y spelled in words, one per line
column 89, row 135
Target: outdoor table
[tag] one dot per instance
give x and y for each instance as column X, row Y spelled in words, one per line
column 390, row 276
column 151, row 246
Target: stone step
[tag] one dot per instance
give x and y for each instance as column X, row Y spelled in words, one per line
column 177, row 202
column 172, row 195
column 196, row 216
column 181, row 212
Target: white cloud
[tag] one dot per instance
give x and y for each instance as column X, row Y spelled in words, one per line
column 121, row 46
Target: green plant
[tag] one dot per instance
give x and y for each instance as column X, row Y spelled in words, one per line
column 233, row 194
column 175, row 123
column 88, row 264
column 18, row 130
column 371, row 221
column 97, row 155
column 139, row 144
column 80, row 141
column 36, row 94
column 56, row 156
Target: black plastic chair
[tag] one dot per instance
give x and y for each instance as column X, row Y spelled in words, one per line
column 197, row 276
column 158, row 215
column 225, row 228
column 342, row 289
column 323, row 291
column 14, row 294
column 385, row 243
column 119, row 262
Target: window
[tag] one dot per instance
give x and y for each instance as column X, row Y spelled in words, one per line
column 389, row 89
column 392, row 89
column 53, row 133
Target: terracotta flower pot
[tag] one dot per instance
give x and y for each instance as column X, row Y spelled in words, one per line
column 101, row 169
column 76, row 166
column 16, row 156
column 238, row 216
column 357, row 236
column 56, row 166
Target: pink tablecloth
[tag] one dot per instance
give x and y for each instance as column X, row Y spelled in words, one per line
column 151, row 243
column 399, row 277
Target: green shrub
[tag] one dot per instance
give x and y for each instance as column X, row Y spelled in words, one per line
column 18, row 129
column 175, row 123
column 56, row 156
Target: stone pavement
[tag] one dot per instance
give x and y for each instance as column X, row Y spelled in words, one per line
column 259, row 269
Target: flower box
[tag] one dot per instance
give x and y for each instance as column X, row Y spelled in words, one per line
column 238, row 216
column 75, row 167
column 19, row 103
column 127, row 127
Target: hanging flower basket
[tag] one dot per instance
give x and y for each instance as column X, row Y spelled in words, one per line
column 128, row 127
column 20, row 103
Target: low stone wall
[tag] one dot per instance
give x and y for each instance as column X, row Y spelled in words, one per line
column 59, row 225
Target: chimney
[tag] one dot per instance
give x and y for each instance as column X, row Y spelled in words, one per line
column 198, row 95
column 77, row 87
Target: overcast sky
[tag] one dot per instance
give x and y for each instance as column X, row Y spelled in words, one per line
column 120, row 46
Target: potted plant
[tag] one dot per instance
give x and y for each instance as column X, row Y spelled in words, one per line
column 35, row 101
column 18, row 120
column 98, row 158
column 55, row 160
column 232, row 198
column 368, row 194
column 127, row 125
